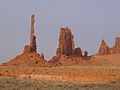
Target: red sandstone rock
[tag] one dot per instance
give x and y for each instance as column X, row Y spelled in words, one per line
column 116, row 48
column 104, row 49
column 58, row 52
column 78, row 51
column 111, row 50
column 66, row 42
column 27, row 59
column 117, row 45
column 32, row 36
column 42, row 55
column 32, row 47
column 30, row 57
column 26, row 49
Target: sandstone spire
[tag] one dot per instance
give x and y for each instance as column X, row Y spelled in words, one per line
column 32, row 47
column 66, row 42
column 32, row 35
column 32, row 28
column 104, row 49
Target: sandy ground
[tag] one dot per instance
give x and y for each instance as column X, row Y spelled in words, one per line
column 82, row 74
column 67, row 77
column 99, row 73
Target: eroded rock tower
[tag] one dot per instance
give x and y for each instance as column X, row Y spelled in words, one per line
column 32, row 47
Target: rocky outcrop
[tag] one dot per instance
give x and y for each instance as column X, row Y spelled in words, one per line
column 85, row 54
column 117, row 45
column 66, row 49
column 66, row 42
column 78, row 51
column 26, row 60
column 32, row 36
column 104, row 49
column 30, row 57
column 26, row 49
column 111, row 50
column 32, row 47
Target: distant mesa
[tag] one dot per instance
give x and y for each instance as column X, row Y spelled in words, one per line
column 106, row 50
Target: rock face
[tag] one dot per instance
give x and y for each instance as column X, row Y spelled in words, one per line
column 111, row 50
column 66, row 48
column 66, row 42
column 32, row 47
column 32, row 36
column 117, row 45
column 26, row 49
column 104, row 49
column 66, row 45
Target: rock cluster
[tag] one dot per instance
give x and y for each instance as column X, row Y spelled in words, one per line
column 30, row 57
column 66, row 49
column 66, row 53
column 106, row 50
column 66, row 44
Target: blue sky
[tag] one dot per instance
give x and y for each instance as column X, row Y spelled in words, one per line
column 90, row 21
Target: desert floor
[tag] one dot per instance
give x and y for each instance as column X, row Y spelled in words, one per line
column 60, row 78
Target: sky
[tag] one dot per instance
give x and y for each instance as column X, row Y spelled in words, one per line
column 90, row 21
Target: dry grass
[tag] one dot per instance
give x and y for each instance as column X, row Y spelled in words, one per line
column 28, row 84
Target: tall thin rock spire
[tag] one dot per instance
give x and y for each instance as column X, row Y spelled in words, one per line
column 32, row 27
column 32, row 47
column 32, row 35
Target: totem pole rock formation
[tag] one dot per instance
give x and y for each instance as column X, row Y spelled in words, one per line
column 32, row 36
column 30, row 57
column 32, row 47
column 104, row 49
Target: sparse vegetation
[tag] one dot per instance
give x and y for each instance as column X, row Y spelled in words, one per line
column 28, row 84
column 71, row 78
column 103, row 74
